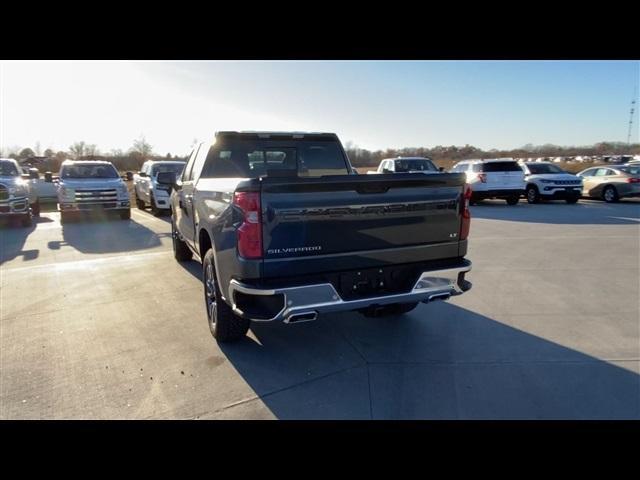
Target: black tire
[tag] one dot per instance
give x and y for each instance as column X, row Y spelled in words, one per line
column 513, row 200
column 224, row 325
column 26, row 221
column 181, row 251
column 139, row 203
column 35, row 208
column 152, row 201
column 610, row 194
column 532, row 194
column 126, row 215
column 572, row 200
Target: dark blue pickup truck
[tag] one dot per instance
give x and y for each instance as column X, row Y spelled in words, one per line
column 286, row 230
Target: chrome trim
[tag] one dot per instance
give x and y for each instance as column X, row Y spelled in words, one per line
column 323, row 298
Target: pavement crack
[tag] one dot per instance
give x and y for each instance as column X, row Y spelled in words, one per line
column 279, row 390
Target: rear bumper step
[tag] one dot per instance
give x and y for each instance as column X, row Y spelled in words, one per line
column 305, row 303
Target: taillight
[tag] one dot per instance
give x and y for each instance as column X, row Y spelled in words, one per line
column 633, row 180
column 249, row 233
column 482, row 177
column 466, row 213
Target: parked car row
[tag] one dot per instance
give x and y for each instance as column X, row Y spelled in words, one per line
column 615, row 159
column 505, row 178
column 81, row 186
column 508, row 179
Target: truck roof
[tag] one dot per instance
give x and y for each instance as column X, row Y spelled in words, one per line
column 166, row 161
column 93, row 162
column 478, row 160
column 407, row 158
column 260, row 134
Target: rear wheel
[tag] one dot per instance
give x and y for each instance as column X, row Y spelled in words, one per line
column 35, row 208
column 610, row 194
column 181, row 251
column 139, row 203
column 513, row 200
column 154, row 210
column 533, row 196
column 225, row 326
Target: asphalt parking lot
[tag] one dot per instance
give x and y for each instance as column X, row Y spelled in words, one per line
column 97, row 321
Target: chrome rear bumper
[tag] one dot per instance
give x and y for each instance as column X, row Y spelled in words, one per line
column 306, row 302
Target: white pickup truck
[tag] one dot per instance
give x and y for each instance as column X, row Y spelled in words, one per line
column 91, row 186
column 15, row 194
column 146, row 187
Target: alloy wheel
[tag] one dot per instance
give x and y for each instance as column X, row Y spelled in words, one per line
column 210, row 295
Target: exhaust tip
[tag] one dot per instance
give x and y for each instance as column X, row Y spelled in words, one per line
column 438, row 296
column 301, row 317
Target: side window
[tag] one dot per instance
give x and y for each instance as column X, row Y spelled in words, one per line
column 477, row 167
column 588, row 173
column 186, row 173
column 602, row 172
column 200, row 157
column 222, row 164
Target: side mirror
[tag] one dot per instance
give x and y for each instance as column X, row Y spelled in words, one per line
column 142, row 174
column 34, row 174
column 386, row 170
column 129, row 176
column 441, row 169
column 48, row 177
column 167, row 179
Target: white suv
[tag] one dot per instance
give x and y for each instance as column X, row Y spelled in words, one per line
column 547, row 181
column 493, row 178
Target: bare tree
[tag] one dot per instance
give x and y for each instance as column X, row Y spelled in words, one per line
column 77, row 150
column 141, row 148
column 91, row 150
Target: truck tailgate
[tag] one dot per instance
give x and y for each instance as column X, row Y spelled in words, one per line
column 313, row 225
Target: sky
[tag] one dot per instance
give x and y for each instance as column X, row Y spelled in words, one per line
column 373, row 104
